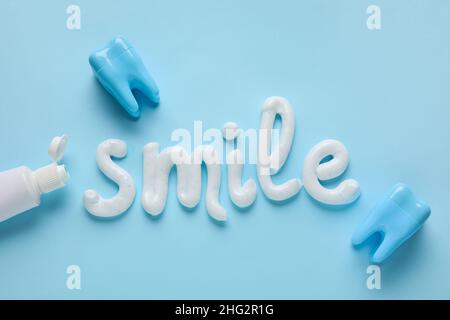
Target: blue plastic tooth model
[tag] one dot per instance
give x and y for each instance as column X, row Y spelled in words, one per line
column 396, row 218
column 120, row 70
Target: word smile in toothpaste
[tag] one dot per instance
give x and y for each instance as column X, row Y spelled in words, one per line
column 325, row 161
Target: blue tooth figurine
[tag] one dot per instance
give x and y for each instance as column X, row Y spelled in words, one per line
column 396, row 217
column 120, row 70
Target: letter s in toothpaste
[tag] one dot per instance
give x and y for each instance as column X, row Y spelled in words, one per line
column 108, row 208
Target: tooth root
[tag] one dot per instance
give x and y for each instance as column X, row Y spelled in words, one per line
column 120, row 70
column 364, row 232
column 397, row 216
column 148, row 87
column 386, row 248
column 123, row 94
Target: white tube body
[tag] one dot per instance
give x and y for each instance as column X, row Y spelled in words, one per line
column 19, row 192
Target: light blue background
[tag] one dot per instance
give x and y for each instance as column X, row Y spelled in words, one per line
column 385, row 94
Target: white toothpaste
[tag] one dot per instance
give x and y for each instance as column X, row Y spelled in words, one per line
column 157, row 168
column 313, row 171
column 271, row 163
column 241, row 195
column 107, row 208
column 270, row 159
